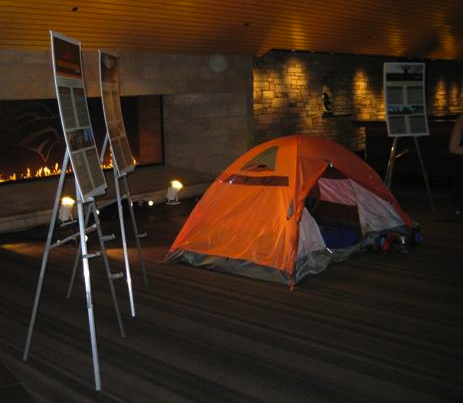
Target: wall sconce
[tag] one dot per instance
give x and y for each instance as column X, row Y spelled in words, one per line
column 172, row 192
column 65, row 211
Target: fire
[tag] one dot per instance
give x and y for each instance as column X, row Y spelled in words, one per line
column 45, row 171
column 10, row 178
column 108, row 164
column 40, row 173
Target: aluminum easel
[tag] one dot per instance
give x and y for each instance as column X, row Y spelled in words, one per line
column 138, row 236
column 83, row 230
column 119, row 198
column 390, row 168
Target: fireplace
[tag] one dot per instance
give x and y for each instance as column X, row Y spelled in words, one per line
column 32, row 143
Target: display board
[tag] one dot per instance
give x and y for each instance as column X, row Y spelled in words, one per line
column 75, row 118
column 109, row 84
column 404, row 99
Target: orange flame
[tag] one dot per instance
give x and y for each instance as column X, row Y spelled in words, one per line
column 45, row 171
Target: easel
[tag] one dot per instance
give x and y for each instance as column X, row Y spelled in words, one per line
column 138, row 236
column 126, row 196
column 390, row 168
column 404, row 100
column 88, row 177
column 85, row 260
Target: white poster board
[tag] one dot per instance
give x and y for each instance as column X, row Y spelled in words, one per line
column 109, row 85
column 75, row 118
column 404, row 99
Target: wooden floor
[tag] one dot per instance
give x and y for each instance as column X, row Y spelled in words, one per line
column 381, row 327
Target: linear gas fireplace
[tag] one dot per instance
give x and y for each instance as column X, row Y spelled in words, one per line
column 32, row 143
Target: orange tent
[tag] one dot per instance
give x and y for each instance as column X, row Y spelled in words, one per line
column 259, row 217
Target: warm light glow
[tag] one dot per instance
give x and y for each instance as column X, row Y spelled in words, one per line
column 41, row 172
column 68, row 201
column 172, row 192
column 107, row 165
column 65, row 211
column 364, row 99
column 454, row 97
column 45, row 171
column 395, row 38
column 150, row 203
column 176, row 184
column 448, row 40
column 440, row 103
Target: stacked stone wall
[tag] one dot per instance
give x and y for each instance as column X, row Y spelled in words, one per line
column 288, row 89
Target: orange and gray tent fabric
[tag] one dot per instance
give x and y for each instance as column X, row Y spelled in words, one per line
column 248, row 221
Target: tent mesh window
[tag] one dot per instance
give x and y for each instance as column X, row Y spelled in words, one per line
column 339, row 223
column 265, row 161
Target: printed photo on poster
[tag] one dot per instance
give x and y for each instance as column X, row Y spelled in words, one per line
column 80, row 139
column 67, row 58
column 404, row 98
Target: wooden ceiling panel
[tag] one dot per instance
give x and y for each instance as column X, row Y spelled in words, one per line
column 410, row 28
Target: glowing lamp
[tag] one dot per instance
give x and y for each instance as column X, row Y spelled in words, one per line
column 65, row 211
column 172, row 192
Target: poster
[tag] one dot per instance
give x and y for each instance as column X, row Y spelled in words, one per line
column 404, row 99
column 75, row 118
column 109, row 84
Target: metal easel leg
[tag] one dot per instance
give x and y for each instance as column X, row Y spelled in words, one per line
column 135, row 230
column 124, row 243
column 390, row 164
column 73, row 274
column 88, row 292
column 77, row 260
column 38, row 292
column 111, row 276
column 425, row 175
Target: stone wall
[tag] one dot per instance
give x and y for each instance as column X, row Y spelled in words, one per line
column 210, row 124
column 288, row 90
column 200, row 103
column 210, row 117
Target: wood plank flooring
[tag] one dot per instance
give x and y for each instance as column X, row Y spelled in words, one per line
column 381, row 327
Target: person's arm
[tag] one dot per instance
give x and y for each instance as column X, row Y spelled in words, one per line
column 455, row 146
